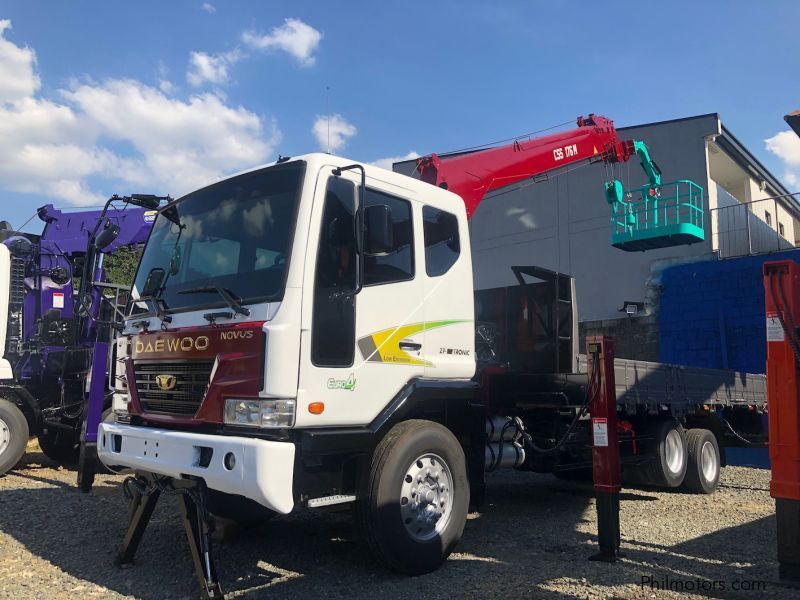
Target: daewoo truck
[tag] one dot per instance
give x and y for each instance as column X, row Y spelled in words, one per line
column 305, row 334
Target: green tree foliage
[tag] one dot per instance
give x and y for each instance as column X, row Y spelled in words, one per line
column 120, row 266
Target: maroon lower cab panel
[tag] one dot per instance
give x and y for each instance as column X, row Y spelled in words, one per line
column 172, row 377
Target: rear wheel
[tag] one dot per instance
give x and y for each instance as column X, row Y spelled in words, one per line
column 415, row 507
column 13, row 435
column 702, row 473
column 668, row 455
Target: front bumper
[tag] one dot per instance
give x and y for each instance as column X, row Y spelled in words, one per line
column 263, row 469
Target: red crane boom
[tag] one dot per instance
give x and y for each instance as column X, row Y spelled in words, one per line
column 475, row 174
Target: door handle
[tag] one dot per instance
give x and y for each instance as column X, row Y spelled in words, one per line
column 410, row 346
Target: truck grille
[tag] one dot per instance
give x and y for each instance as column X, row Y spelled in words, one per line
column 191, row 383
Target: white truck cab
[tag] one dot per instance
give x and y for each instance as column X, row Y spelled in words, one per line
column 289, row 317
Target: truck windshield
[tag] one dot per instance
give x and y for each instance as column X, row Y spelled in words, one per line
column 233, row 235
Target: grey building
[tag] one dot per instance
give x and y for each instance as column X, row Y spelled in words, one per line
column 563, row 224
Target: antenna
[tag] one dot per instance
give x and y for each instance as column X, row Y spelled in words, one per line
column 328, row 114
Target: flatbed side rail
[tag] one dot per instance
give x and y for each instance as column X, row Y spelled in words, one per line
column 643, row 382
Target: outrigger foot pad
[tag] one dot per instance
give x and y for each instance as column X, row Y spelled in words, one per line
column 144, row 490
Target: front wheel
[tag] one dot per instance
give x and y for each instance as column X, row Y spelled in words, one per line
column 59, row 446
column 13, row 435
column 415, row 506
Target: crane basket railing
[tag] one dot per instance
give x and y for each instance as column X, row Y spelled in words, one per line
column 673, row 216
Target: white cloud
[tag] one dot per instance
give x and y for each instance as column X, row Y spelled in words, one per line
column 211, row 68
column 294, row 37
column 786, row 146
column 386, row 163
column 209, row 8
column 18, row 78
column 62, row 148
column 164, row 84
column 182, row 144
column 332, row 132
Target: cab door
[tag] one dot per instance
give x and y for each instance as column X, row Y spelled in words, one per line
column 363, row 324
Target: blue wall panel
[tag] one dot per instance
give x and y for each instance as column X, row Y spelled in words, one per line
column 712, row 313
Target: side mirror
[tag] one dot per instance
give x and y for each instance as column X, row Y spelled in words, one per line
column 148, row 201
column 153, row 282
column 378, row 230
column 105, row 237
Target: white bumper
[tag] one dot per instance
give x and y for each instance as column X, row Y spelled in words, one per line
column 263, row 469
column 5, row 370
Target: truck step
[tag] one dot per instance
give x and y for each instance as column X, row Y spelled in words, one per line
column 330, row 500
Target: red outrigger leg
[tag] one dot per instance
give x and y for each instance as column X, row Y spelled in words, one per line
column 605, row 445
column 782, row 290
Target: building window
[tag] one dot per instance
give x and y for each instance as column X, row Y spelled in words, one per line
column 781, row 229
column 768, row 218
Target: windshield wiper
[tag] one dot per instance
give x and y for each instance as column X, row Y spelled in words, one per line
column 228, row 296
column 157, row 305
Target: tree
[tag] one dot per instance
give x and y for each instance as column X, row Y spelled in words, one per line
column 120, row 267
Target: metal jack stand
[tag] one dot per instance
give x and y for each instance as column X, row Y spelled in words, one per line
column 605, row 447
column 145, row 490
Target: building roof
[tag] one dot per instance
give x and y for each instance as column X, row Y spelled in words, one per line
column 735, row 149
column 793, row 119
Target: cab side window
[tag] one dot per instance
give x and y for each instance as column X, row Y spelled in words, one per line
column 442, row 245
column 398, row 263
column 333, row 317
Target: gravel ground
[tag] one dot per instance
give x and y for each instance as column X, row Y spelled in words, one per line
column 530, row 540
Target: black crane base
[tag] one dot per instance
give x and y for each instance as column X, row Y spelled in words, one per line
column 787, row 514
column 145, row 490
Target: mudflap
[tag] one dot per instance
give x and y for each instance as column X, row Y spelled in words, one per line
column 88, row 466
column 88, row 463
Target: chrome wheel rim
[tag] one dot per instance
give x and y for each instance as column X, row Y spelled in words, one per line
column 5, row 436
column 426, row 497
column 708, row 461
column 674, row 452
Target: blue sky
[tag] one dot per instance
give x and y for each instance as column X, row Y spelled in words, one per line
column 104, row 97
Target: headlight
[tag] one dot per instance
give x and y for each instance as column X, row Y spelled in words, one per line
column 259, row 413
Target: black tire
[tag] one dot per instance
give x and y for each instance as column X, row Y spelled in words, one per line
column 237, row 508
column 399, row 542
column 669, row 456
column 14, row 435
column 59, row 446
column 702, row 473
